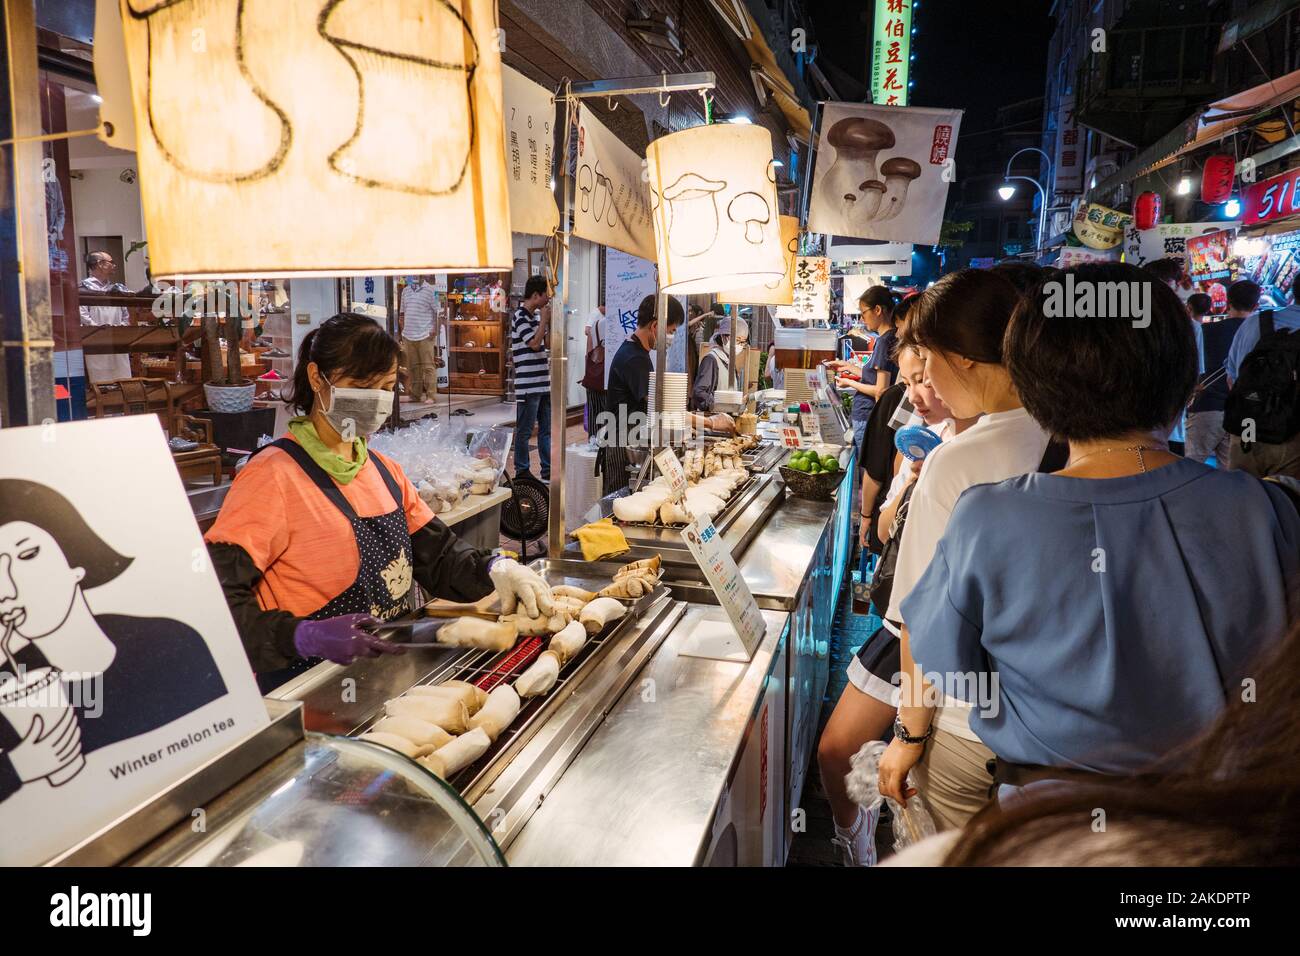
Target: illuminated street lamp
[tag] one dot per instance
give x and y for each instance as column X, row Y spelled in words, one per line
column 1007, row 190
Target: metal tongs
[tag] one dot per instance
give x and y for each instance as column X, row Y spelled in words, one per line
column 419, row 632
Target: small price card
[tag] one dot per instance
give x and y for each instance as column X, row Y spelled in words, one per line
column 719, row 567
column 671, row 469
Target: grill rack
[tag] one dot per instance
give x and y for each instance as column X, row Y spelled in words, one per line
column 489, row 669
column 731, row 505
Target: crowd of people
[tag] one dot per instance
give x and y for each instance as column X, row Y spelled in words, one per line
column 1077, row 612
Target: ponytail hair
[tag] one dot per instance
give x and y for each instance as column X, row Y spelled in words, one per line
column 346, row 345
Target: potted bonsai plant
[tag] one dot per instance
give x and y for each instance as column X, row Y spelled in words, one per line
column 224, row 384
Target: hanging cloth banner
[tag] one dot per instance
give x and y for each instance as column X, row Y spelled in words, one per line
column 883, row 171
column 530, row 142
column 780, row 292
column 611, row 199
column 327, row 143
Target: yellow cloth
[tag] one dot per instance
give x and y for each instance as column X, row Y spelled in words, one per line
column 600, row 539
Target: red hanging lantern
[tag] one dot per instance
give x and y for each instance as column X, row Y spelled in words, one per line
column 1146, row 210
column 1217, row 177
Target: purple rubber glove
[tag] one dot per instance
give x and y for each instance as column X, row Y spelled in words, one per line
column 341, row 640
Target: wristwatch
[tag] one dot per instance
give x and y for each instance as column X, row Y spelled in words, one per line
column 901, row 733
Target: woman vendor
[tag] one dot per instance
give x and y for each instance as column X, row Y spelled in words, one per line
column 716, row 363
column 320, row 536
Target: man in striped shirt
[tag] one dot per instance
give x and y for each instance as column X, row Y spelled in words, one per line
column 528, row 351
column 417, row 322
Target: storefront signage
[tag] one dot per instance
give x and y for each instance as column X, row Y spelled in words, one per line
column 883, row 171
column 1068, row 169
column 114, row 627
column 891, row 49
column 811, row 295
column 1100, row 227
column 1274, row 198
column 1166, row 241
column 611, row 199
column 529, row 114
column 719, row 567
column 1082, row 255
column 373, row 151
column 1208, row 257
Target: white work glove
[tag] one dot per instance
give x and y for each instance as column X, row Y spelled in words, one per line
column 516, row 584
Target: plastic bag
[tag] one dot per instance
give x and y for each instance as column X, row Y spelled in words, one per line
column 912, row 823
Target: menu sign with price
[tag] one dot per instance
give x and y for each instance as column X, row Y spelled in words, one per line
column 792, row 437
column 719, row 567
column 671, row 468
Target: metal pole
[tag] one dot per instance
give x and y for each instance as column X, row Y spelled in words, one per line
column 26, row 330
column 559, row 362
column 661, row 360
column 731, row 348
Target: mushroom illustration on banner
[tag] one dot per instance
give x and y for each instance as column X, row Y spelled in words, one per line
column 584, row 187
column 857, row 142
column 882, row 172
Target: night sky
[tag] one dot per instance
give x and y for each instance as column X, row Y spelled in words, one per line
column 973, row 54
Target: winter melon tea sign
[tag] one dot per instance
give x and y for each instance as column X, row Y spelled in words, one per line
column 121, row 670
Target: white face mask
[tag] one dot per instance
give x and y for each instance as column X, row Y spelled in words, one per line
column 358, row 412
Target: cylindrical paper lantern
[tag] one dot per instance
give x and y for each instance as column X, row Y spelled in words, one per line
column 780, row 292
column 1217, row 177
column 1146, row 210
column 713, row 193
column 303, row 160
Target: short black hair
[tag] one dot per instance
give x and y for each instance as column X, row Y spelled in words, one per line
column 54, row 514
column 645, row 312
column 878, row 295
column 1023, row 275
column 965, row 313
column 1093, row 378
column 347, row 344
column 1165, row 270
column 1200, row 304
column 536, row 285
column 1243, row 295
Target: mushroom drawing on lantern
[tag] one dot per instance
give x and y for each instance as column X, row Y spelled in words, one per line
column 413, row 60
column 174, row 70
column 857, row 141
column 751, row 211
column 692, row 214
column 899, row 173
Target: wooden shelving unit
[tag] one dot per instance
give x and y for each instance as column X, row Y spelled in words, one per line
column 478, row 341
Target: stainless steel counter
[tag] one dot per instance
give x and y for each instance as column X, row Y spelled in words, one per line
column 650, row 785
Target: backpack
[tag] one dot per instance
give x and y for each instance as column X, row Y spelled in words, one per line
column 593, row 373
column 1267, row 392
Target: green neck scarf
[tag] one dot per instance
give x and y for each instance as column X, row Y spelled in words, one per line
column 335, row 465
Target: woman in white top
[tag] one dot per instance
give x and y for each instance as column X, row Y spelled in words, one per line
column 958, row 325
column 869, row 701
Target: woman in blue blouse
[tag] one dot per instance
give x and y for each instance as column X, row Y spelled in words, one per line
column 1106, row 613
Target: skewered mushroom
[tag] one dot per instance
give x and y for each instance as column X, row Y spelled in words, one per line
column 600, row 612
column 463, row 751
column 449, row 714
column 400, row 744
column 417, row 731
column 540, row 676
column 501, row 708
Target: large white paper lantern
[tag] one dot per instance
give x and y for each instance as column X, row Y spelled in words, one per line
column 781, row 291
column 319, row 137
column 713, row 194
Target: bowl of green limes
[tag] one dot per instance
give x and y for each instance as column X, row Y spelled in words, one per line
column 812, row 476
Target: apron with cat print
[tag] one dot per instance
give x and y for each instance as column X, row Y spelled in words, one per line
column 384, row 545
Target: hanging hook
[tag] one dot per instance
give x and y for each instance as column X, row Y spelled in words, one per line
column 611, row 103
column 708, row 100
column 665, row 97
